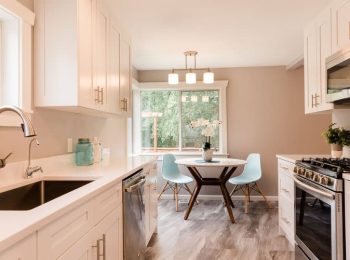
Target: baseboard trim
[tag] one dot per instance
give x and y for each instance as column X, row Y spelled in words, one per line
column 218, row 197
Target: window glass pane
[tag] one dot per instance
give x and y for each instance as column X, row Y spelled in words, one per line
column 160, row 119
column 195, row 105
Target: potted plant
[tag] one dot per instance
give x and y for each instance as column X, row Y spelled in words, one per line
column 345, row 140
column 208, row 130
column 333, row 137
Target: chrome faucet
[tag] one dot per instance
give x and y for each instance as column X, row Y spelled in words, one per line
column 27, row 126
column 30, row 170
column 28, row 131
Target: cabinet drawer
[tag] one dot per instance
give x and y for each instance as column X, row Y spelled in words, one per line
column 286, row 187
column 107, row 201
column 285, row 167
column 58, row 236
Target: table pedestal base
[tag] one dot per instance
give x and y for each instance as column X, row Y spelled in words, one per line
column 221, row 181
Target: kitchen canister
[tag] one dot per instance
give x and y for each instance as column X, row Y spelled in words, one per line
column 84, row 154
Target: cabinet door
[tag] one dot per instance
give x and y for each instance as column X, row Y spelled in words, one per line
column 86, row 93
column 147, row 201
column 341, row 24
column 81, row 250
column 100, row 56
column 108, row 234
column 113, row 86
column 125, row 75
column 23, row 250
column 310, row 67
column 347, row 219
column 324, row 49
column 153, row 200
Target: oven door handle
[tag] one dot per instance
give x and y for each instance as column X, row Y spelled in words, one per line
column 312, row 189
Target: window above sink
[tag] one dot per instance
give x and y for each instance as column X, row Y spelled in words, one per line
column 16, row 22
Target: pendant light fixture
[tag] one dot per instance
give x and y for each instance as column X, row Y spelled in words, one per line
column 191, row 76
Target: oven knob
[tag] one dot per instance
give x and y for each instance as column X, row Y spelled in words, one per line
column 324, row 180
column 309, row 174
column 302, row 171
column 315, row 178
column 296, row 169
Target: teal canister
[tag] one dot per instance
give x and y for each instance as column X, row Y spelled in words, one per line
column 84, row 152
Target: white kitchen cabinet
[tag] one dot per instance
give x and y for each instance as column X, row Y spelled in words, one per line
column 100, row 58
column 59, row 237
column 81, row 250
column 286, row 199
column 151, row 201
column 23, row 250
column 317, row 47
column 113, row 79
column 74, row 69
column 340, row 24
column 347, row 219
column 125, row 77
column 108, row 235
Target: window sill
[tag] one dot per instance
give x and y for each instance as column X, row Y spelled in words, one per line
column 180, row 154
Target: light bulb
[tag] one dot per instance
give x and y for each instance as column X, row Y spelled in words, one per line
column 173, row 78
column 208, row 77
column 191, row 78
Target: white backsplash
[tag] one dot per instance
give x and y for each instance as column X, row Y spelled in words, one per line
column 342, row 118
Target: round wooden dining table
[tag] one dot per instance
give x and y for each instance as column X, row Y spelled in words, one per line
column 228, row 167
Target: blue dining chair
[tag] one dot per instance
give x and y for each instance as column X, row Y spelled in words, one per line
column 175, row 180
column 247, row 181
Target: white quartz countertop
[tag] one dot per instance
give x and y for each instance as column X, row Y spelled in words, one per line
column 16, row 225
column 294, row 157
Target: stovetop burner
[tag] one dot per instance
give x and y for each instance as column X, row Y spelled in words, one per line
column 328, row 166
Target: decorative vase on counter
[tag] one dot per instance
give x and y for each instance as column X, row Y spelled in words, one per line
column 346, row 151
column 207, row 155
column 336, row 150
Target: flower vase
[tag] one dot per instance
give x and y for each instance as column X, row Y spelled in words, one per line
column 207, row 155
column 336, row 150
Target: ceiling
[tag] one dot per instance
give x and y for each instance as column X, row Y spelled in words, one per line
column 226, row 33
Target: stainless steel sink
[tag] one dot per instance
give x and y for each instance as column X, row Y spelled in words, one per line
column 35, row 194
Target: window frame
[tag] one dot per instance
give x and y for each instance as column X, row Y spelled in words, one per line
column 26, row 22
column 137, row 87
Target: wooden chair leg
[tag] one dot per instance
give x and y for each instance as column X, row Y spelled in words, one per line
column 166, row 184
column 233, row 191
column 246, row 199
column 248, row 192
column 262, row 194
column 176, row 197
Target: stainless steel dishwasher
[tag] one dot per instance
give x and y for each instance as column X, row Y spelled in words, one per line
column 134, row 216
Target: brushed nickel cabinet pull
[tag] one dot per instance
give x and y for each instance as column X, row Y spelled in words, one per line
column 102, row 98
column 98, row 247
column 126, row 105
column 312, row 100
column 97, row 95
column 316, row 102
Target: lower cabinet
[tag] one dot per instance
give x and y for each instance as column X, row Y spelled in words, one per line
column 23, row 250
column 347, row 219
column 286, row 199
column 92, row 229
column 105, row 241
column 151, row 201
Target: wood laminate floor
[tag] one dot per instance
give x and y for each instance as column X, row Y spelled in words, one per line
column 208, row 234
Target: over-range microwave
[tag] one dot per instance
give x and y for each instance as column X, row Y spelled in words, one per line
column 338, row 77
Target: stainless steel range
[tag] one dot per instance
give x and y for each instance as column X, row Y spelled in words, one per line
column 319, row 220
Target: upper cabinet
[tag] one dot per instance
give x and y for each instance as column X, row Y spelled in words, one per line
column 78, row 58
column 328, row 33
column 340, row 24
column 317, row 47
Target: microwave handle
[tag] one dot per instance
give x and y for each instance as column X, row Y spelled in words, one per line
column 312, row 189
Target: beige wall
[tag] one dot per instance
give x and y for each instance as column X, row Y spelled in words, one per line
column 54, row 127
column 265, row 111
